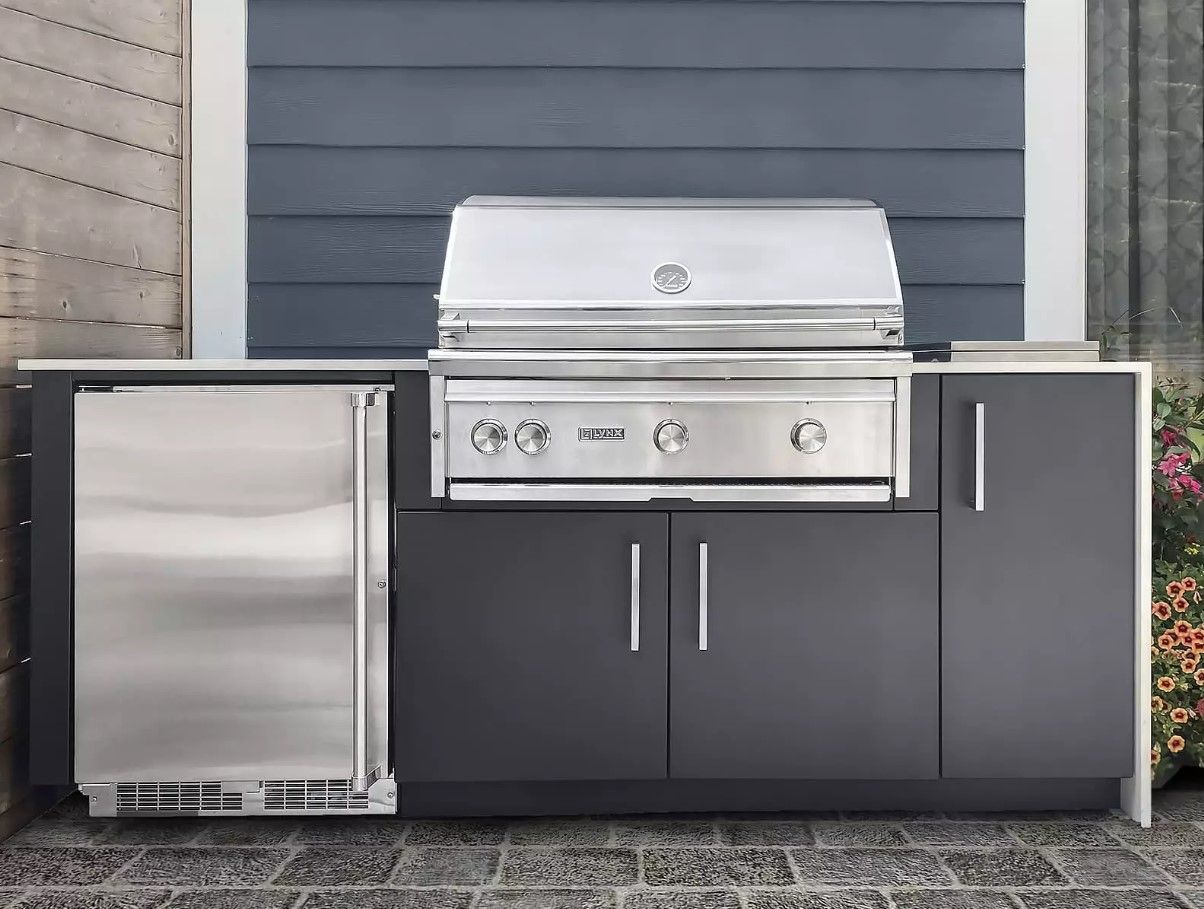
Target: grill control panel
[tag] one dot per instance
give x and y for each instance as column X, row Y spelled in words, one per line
column 747, row 430
column 531, row 437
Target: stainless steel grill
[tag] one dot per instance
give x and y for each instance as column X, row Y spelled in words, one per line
column 644, row 349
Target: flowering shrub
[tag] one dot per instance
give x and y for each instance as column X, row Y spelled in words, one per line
column 1178, row 614
column 1178, row 699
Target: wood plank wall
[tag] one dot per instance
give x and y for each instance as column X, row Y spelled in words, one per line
column 91, row 249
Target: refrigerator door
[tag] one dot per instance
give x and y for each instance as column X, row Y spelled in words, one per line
column 222, row 629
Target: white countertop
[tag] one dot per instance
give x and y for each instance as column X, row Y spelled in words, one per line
column 417, row 364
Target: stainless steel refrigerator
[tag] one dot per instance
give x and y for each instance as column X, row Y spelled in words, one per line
column 232, row 586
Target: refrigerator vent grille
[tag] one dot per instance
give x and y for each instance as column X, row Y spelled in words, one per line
column 175, row 798
column 312, row 795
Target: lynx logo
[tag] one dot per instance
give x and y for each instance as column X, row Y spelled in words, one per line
column 671, row 278
column 601, row 433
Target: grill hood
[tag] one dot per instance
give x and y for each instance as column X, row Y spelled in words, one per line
column 593, row 274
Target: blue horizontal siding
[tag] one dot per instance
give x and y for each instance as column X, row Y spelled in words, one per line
column 369, row 119
column 305, row 180
column 637, row 108
column 646, row 33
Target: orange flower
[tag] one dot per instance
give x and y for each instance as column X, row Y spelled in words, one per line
column 1155, row 756
column 1174, row 588
column 1165, row 683
column 1197, row 646
column 1175, row 744
column 1167, row 641
column 1158, row 705
column 1198, row 634
column 1180, row 715
column 1200, row 676
column 1189, row 665
column 1189, row 584
column 1180, row 604
column 1162, row 610
column 1184, row 629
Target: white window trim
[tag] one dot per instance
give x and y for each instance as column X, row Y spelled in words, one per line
column 218, row 175
column 1055, row 174
column 1055, row 170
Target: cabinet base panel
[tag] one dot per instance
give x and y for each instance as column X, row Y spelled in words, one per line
column 662, row 796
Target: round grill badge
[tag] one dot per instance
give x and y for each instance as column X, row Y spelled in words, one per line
column 671, row 278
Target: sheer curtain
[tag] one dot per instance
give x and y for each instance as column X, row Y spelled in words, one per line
column 1145, row 213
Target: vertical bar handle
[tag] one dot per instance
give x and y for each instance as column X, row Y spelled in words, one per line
column 635, row 597
column 703, row 581
column 980, row 450
column 360, row 402
column 903, row 437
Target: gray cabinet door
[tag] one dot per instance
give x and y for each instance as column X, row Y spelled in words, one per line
column 821, row 654
column 514, row 647
column 1038, row 585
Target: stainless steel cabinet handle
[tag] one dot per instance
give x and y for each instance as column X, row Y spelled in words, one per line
column 903, row 437
column 980, row 435
column 702, row 596
column 635, row 597
column 360, row 401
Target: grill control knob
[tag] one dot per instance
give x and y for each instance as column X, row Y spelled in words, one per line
column 808, row 436
column 670, row 436
column 488, row 437
column 531, row 436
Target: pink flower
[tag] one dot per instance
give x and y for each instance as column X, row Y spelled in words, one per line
column 1190, row 483
column 1169, row 437
column 1173, row 464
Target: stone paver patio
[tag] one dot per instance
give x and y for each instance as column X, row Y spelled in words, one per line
column 1086, row 860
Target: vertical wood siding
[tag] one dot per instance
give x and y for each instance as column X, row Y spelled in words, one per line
column 370, row 119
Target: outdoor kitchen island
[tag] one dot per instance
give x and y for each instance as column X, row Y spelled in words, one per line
column 912, row 654
column 670, row 521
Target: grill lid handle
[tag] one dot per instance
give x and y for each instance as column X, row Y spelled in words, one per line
column 458, row 326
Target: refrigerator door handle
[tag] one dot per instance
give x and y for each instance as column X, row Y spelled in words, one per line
column 703, row 598
column 360, row 401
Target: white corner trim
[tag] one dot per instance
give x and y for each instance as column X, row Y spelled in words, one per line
column 1136, row 792
column 1055, row 170
column 219, row 178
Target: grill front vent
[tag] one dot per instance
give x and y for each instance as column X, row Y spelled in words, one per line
column 175, row 798
column 312, row 795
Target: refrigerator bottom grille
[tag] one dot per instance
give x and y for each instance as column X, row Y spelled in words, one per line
column 239, row 797
column 175, row 798
column 312, row 795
